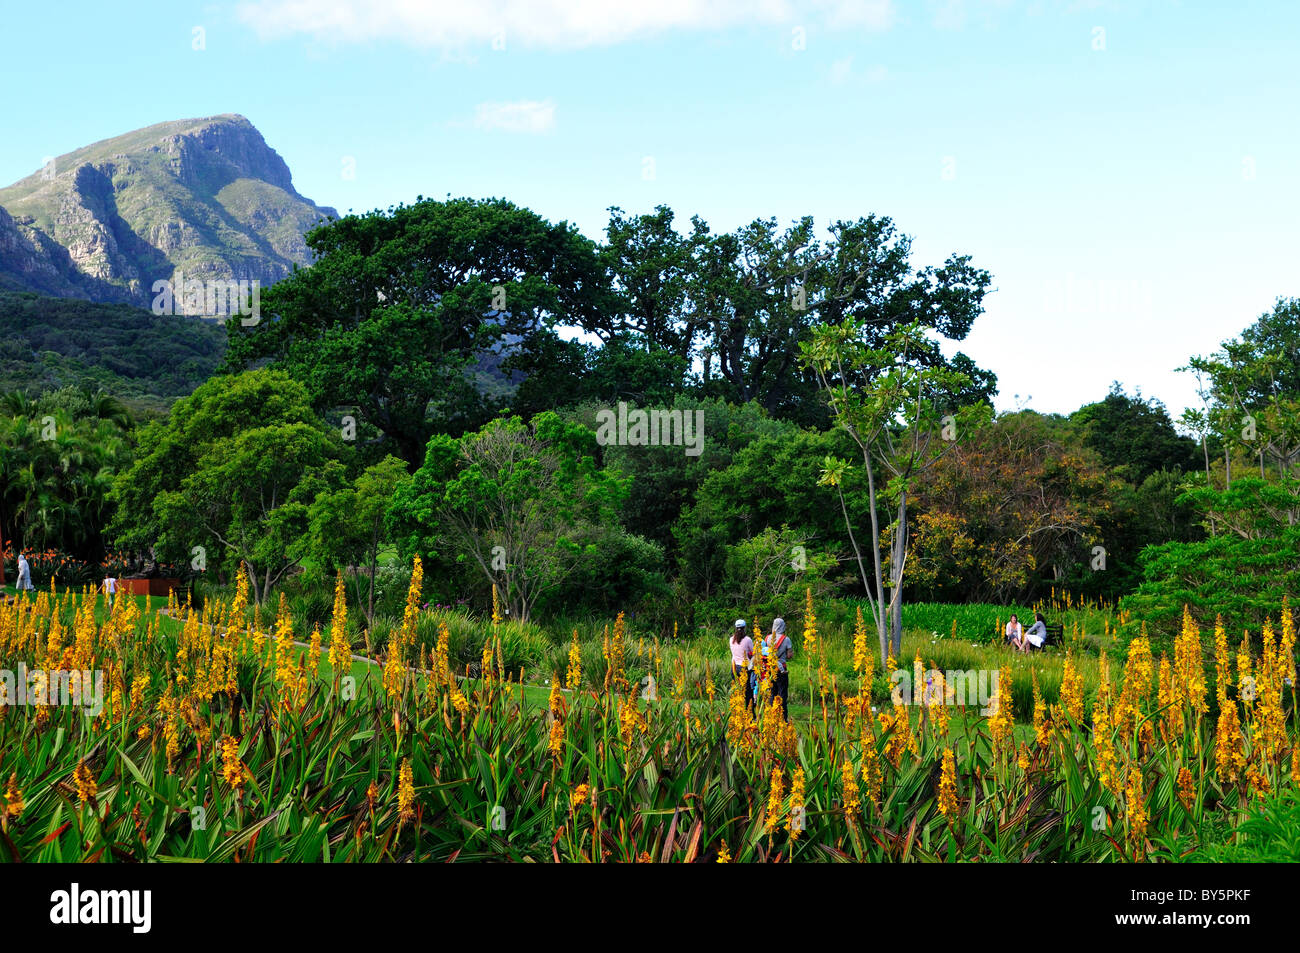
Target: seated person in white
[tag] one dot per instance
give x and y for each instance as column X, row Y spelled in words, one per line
column 1037, row 633
column 1015, row 634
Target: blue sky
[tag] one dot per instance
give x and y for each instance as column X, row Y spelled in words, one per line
column 1129, row 171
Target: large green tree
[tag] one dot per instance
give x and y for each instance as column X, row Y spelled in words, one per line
column 524, row 503
column 228, row 478
column 1241, row 574
column 1251, row 393
column 1134, row 433
column 400, row 308
column 347, row 520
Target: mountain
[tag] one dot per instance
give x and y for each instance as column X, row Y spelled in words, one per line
column 204, row 197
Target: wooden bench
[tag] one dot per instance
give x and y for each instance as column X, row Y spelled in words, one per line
column 1055, row 634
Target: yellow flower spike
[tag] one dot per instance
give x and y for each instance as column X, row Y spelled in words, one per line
column 809, row 623
column 340, row 657
column 775, row 801
column 411, row 611
column 1186, row 789
column 948, row 786
column 314, row 652
column 1072, row 690
column 852, row 801
column 233, row 769
column 795, row 823
column 86, row 787
column 14, row 803
column 1136, row 810
column 579, row 796
column 405, row 792
column 573, row 678
column 1042, row 727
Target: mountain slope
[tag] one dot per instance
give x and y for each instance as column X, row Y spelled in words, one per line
column 144, row 359
column 206, row 197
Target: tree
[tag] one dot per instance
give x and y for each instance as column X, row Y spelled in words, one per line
column 1242, row 574
column 1134, row 434
column 1251, row 392
column 59, row 453
column 560, row 373
column 1008, row 509
column 764, row 290
column 770, row 483
column 895, row 405
column 399, row 307
column 347, row 523
column 232, row 471
column 522, row 503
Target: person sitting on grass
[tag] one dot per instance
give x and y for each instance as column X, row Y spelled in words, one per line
column 1015, row 634
column 1037, row 634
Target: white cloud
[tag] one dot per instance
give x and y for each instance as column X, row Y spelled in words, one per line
column 868, row 14
column 956, row 14
column 841, row 69
column 552, row 24
column 527, row 115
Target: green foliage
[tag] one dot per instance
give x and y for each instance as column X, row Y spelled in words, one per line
column 1268, row 833
column 1135, row 436
column 347, row 522
column 137, row 356
column 59, row 454
column 523, row 503
column 1242, row 573
column 772, row 571
column 400, row 305
column 234, row 469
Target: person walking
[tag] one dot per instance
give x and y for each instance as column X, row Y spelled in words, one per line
column 780, row 650
column 24, row 573
column 742, row 651
column 110, row 590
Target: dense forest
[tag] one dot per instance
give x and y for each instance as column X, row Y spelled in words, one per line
column 146, row 360
column 840, row 451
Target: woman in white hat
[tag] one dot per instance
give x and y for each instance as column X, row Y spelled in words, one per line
column 742, row 651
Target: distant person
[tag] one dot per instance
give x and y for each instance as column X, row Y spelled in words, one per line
column 1037, row 634
column 24, row 573
column 1015, row 634
column 110, row 589
column 780, row 649
column 742, row 651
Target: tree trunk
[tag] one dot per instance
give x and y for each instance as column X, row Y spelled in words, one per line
column 896, row 574
column 875, row 552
